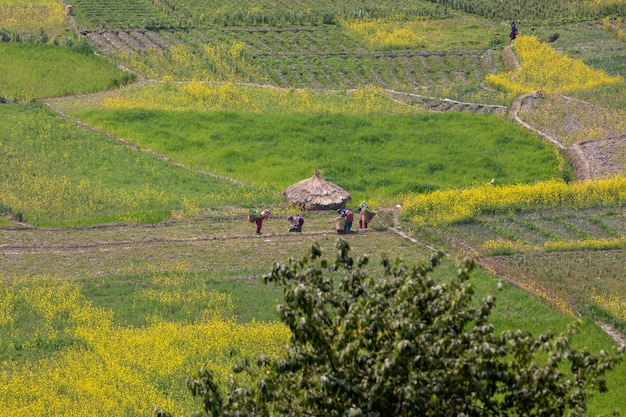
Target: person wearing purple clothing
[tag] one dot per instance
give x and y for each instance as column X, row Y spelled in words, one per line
column 296, row 223
column 514, row 32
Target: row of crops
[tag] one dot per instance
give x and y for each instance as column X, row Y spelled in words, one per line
column 303, row 58
column 546, row 230
column 111, row 14
column 94, row 14
column 552, row 11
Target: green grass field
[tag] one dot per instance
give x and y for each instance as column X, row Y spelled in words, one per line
column 377, row 156
column 37, row 71
column 64, row 174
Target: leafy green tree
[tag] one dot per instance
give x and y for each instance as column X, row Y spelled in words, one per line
column 400, row 343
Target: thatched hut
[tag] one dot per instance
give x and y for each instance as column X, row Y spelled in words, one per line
column 315, row 193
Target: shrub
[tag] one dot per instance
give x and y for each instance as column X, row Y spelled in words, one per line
column 401, row 344
column 553, row 37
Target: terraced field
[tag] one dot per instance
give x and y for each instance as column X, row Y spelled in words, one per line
column 312, row 58
column 87, row 294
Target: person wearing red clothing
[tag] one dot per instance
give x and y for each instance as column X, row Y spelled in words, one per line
column 259, row 221
column 362, row 222
column 349, row 216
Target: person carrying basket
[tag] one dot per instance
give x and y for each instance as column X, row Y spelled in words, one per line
column 365, row 215
column 253, row 217
column 348, row 216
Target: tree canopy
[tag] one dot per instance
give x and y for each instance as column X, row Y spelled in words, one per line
column 396, row 342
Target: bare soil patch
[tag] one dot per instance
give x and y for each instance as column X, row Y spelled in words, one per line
column 605, row 157
column 128, row 40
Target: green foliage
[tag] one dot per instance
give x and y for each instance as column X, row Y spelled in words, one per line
column 538, row 11
column 553, row 37
column 5, row 35
column 356, row 152
column 81, row 46
column 402, row 344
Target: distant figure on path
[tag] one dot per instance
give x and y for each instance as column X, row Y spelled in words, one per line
column 514, row 32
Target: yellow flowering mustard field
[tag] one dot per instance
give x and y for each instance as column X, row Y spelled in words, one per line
column 543, row 68
column 460, row 204
column 32, row 16
column 63, row 356
column 384, row 34
column 214, row 97
column 394, row 33
column 613, row 303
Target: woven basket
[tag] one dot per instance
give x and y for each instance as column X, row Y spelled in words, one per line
column 252, row 218
column 340, row 224
column 368, row 215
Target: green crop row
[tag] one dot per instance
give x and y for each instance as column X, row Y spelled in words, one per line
column 113, row 14
column 538, row 11
column 98, row 14
column 328, row 58
column 93, row 14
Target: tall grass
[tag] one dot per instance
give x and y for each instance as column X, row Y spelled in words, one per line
column 371, row 156
column 36, row 71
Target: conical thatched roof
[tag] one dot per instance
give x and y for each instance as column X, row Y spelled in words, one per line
column 316, row 193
